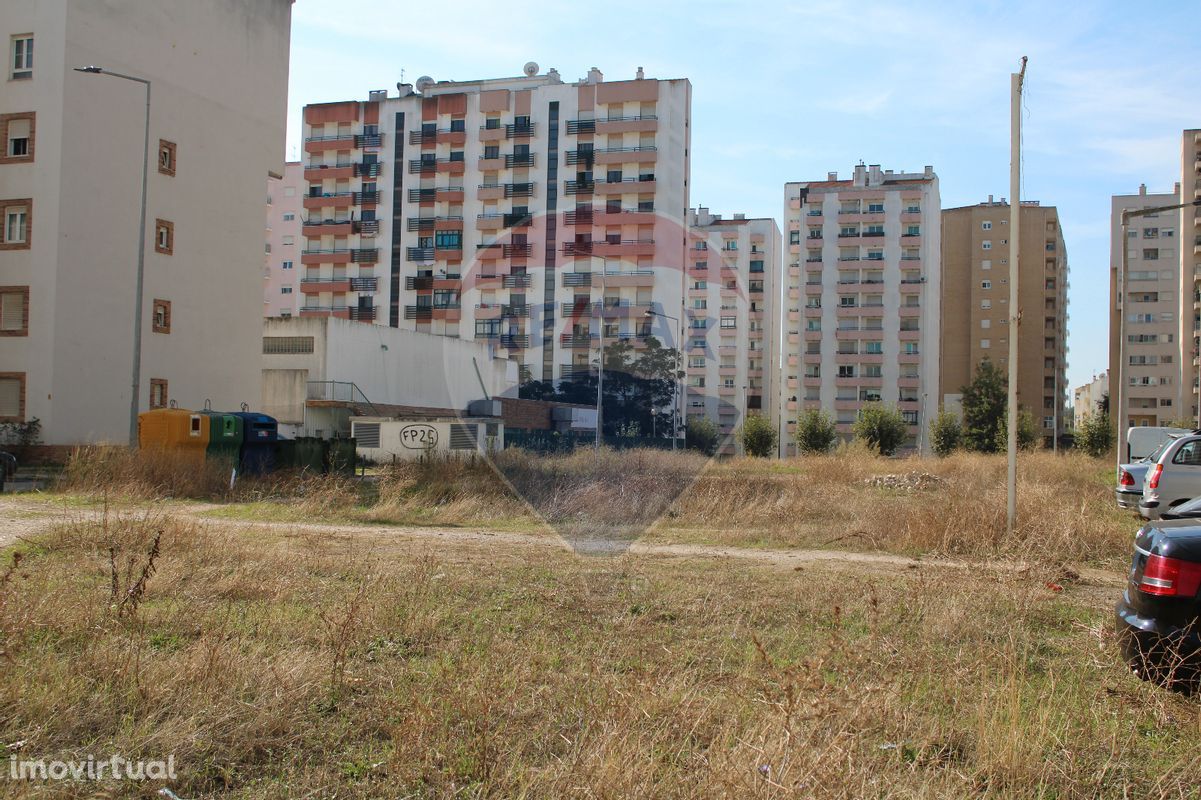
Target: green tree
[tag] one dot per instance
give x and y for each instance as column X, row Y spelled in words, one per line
column 757, row 436
column 1027, row 432
column 816, row 433
column 946, row 433
column 1094, row 434
column 984, row 401
column 882, row 428
column 701, row 434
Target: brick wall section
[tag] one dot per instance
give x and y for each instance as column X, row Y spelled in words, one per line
column 531, row 415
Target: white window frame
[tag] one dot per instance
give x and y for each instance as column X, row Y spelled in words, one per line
column 20, row 56
column 12, row 214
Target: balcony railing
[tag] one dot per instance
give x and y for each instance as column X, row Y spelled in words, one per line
column 366, row 227
column 422, row 195
column 580, row 187
column 367, row 170
column 517, row 220
column 368, row 140
column 419, row 282
column 516, row 280
column 419, row 253
column 522, row 131
column 519, row 159
column 364, row 284
column 578, row 217
column 365, row 198
column 320, row 195
column 519, row 189
column 421, row 223
column 514, row 341
column 365, row 255
column 326, row 252
column 581, row 156
column 517, row 250
column 515, row 310
column 332, row 138
column 577, row 278
column 577, row 126
column 363, row 313
column 419, row 312
column 572, row 372
column 577, row 248
column 577, row 340
column 430, row 164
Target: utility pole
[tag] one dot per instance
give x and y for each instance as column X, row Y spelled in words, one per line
column 1015, row 315
column 600, row 367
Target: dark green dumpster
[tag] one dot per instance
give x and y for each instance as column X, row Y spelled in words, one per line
column 225, row 436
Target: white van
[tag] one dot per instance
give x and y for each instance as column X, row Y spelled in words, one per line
column 1141, row 442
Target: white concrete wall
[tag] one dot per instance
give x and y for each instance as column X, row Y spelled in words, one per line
column 219, row 72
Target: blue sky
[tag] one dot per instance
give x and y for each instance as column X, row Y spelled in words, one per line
column 791, row 91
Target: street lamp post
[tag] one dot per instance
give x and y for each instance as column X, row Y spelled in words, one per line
column 675, row 384
column 138, row 289
column 1123, row 282
column 600, row 370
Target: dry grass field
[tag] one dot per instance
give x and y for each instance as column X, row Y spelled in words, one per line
column 281, row 642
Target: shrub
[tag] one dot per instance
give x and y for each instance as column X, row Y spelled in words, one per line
column 1027, row 433
column 946, row 433
column 701, row 434
column 883, row 429
column 757, row 436
column 984, row 401
column 816, row 433
column 1094, row 434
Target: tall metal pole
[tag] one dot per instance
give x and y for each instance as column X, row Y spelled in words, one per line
column 676, row 395
column 136, row 380
column 1015, row 221
column 1118, row 382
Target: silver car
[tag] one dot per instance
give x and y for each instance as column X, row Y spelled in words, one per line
column 1174, row 477
column 1129, row 490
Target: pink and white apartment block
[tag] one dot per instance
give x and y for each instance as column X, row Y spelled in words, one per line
column 281, row 273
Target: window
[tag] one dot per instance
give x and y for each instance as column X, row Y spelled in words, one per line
column 166, row 157
column 289, row 217
column 986, row 225
column 285, row 265
column 911, row 348
column 22, row 57
column 448, row 240
column 14, row 310
column 729, row 322
column 492, row 123
column 985, row 344
column 12, row 396
column 285, row 290
column 986, row 264
column 158, row 393
column 986, row 245
column 16, row 225
column 285, row 345
column 985, row 324
column 1151, row 253
column 985, row 284
column 986, row 303
column 161, row 321
column 289, row 240
column 16, row 136
column 164, row 237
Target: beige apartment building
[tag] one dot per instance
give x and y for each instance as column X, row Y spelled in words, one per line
column 1087, row 399
column 1153, row 389
column 70, row 187
column 731, row 320
column 1189, row 225
column 533, row 213
column 862, row 297
column 281, row 268
column 975, row 303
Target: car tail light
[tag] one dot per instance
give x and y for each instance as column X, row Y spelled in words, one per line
column 1125, row 479
column 1170, row 577
column 1155, row 473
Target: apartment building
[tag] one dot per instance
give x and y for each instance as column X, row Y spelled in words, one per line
column 71, row 189
column 1153, row 389
column 731, row 322
column 1088, row 398
column 281, row 272
column 529, row 212
column 1189, row 225
column 862, row 297
column 975, row 293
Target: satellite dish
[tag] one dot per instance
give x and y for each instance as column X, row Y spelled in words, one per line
column 530, row 69
column 424, row 82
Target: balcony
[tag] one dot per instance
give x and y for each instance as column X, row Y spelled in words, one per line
column 333, row 255
column 630, row 277
column 577, row 248
column 517, row 280
column 584, row 156
column 364, row 284
column 625, row 155
column 577, row 341
column 577, row 278
column 328, row 200
column 365, row 169
column 514, row 341
column 514, row 311
column 578, row 126
column 365, row 255
column 519, row 160
column 624, row 247
column 419, row 312
column 439, row 136
column 427, row 166
column 578, row 217
column 451, row 223
column 320, row 172
column 337, row 141
column 319, row 285
column 419, row 254
column 343, row 312
column 517, row 250
column 518, row 220
column 363, row 313
column 419, row 282
column 639, row 184
column 637, row 123
column 365, row 198
column 519, row 190
column 579, row 187
column 576, row 372
column 522, row 131
column 328, row 227
column 368, row 140
column 421, row 223
column 367, row 227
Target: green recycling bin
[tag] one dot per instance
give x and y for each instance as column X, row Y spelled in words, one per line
column 225, row 437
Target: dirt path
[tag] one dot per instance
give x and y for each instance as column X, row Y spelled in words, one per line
column 21, row 519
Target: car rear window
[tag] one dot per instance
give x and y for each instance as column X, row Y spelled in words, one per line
column 1189, row 454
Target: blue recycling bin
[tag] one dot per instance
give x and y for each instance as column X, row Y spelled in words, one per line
column 259, row 435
